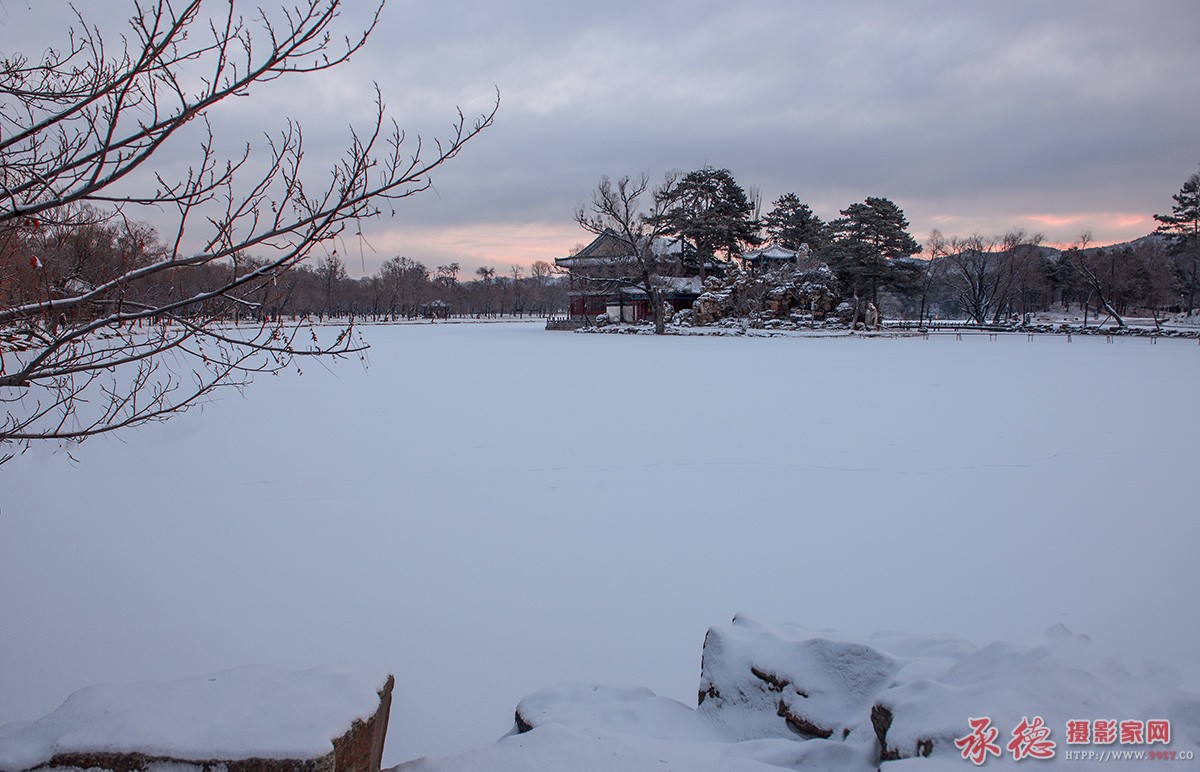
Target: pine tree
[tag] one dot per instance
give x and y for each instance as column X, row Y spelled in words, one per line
column 1182, row 227
column 868, row 238
column 708, row 208
column 793, row 223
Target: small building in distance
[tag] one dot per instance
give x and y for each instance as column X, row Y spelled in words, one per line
column 604, row 278
column 775, row 255
column 437, row 309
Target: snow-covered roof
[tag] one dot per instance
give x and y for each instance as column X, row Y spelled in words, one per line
column 680, row 285
column 665, row 246
column 773, row 251
column 684, row 284
column 610, row 249
column 581, row 261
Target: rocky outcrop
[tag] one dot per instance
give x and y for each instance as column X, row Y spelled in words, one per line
column 783, row 293
column 869, row 317
column 714, row 304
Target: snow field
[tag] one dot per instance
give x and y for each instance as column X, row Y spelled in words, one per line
column 493, row 509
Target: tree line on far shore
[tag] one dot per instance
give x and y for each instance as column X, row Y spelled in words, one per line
column 90, row 249
column 983, row 278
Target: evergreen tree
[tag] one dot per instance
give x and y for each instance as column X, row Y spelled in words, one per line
column 709, row 209
column 868, row 238
column 1182, row 227
column 793, row 223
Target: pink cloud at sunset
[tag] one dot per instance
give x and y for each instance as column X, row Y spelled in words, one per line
column 1058, row 229
column 497, row 245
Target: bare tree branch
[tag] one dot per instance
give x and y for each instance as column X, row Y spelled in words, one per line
column 617, row 210
column 137, row 328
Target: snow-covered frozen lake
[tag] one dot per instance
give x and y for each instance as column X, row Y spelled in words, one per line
column 491, row 509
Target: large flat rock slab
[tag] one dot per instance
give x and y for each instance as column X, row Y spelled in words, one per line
column 250, row 719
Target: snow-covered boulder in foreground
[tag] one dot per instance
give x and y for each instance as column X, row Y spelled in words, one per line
column 912, row 696
column 783, row 696
column 259, row 718
column 758, row 681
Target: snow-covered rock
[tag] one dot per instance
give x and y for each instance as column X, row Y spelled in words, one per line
column 753, row 677
column 912, row 695
column 784, row 696
column 584, row 727
column 770, row 295
column 328, row 718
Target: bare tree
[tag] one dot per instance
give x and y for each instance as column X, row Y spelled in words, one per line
column 517, row 273
column 84, row 125
column 547, row 294
column 1103, row 273
column 937, row 246
column 406, row 286
column 332, row 273
column 986, row 272
column 618, row 210
column 1157, row 285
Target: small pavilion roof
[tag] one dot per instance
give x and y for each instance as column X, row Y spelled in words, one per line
column 773, row 252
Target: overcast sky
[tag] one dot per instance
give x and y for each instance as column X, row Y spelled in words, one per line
column 1055, row 117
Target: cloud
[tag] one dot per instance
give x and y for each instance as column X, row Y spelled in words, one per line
column 498, row 245
column 971, row 115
